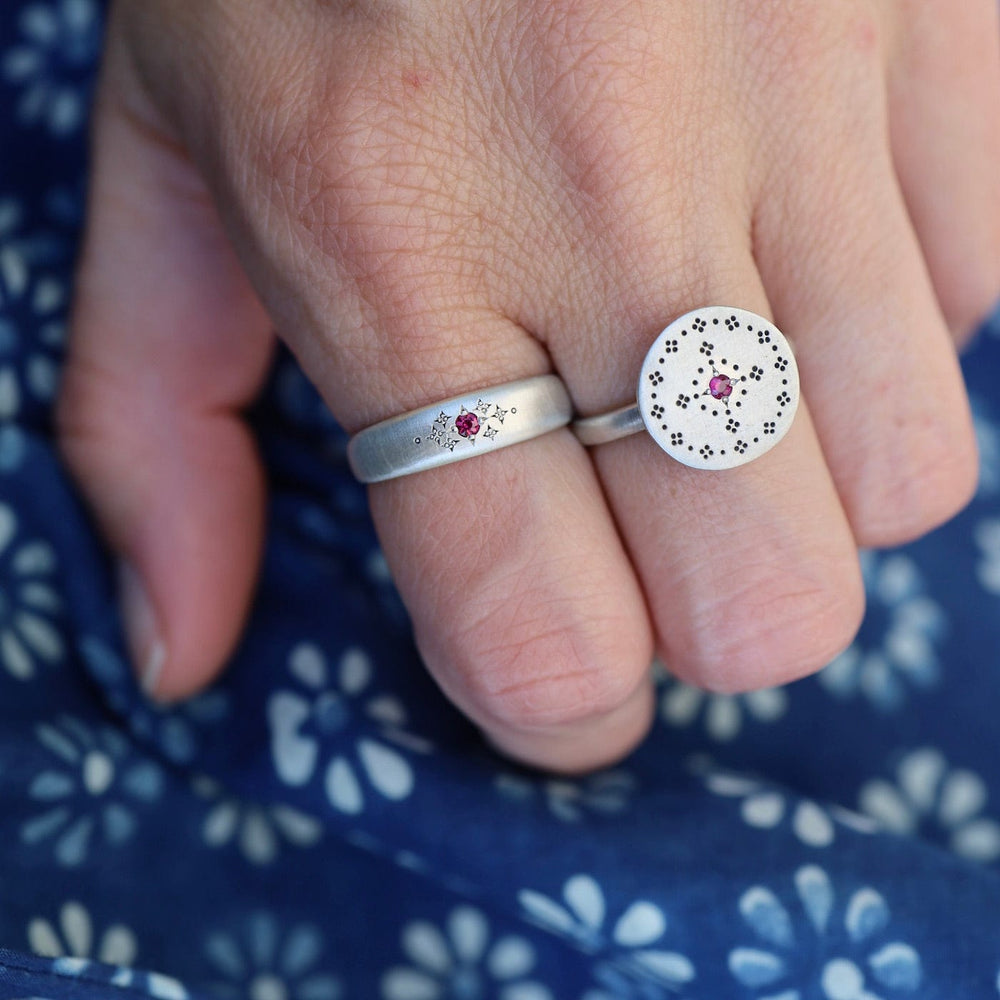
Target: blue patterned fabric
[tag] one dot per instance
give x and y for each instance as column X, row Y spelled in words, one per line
column 322, row 825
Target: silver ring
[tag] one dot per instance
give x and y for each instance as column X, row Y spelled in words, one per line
column 460, row 427
column 718, row 388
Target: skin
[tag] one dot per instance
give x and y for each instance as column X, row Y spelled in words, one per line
column 425, row 199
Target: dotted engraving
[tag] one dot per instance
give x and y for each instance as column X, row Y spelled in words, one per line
column 721, row 389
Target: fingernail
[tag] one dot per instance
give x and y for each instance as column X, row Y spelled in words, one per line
column 141, row 629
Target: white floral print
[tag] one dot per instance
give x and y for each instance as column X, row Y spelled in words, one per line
column 93, row 789
column 988, row 443
column 766, row 807
column 177, row 730
column 931, row 798
column 630, row 947
column 605, row 793
column 75, row 945
column 257, row 830
column 819, row 948
column 987, row 535
column 260, row 960
column 326, row 706
column 908, row 626
column 724, row 714
column 13, row 447
column 72, row 939
column 30, row 299
column 461, row 961
column 51, row 63
column 30, row 607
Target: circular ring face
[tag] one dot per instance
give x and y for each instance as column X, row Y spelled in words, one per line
column 719, row 388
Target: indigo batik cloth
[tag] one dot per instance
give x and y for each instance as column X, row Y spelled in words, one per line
column 321, row 825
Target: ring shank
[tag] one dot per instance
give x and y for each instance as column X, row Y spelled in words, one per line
column 609, row 426
column 460, row 427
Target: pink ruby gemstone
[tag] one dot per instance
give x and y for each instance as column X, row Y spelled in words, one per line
column 721, row 386
column 467, row 424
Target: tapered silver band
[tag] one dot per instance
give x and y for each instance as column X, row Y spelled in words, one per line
column 718, row 388
column 460, row 427
column 609, row 426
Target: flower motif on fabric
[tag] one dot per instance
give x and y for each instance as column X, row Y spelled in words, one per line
column 897, row 645
column 71, row 939
column 723, row 714
column 766, row 807
column 987, row 433
column 93, row 790
column 462, row 961
column 606, row 793
column 257, row 830
column 987, row 536
column 32, row 320
column 931, row 799
column 810, row 946
column 335, row 720
column 13, row 447
column 30, row 607
column 629, row 949
column 262, row 960
column 75, row 947
column 52, row 63
column 991, row 328
column 177, row 731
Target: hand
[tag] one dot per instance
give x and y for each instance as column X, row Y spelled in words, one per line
column 432, row 198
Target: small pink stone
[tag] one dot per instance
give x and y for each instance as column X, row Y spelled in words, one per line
column 721, row 386
column 467, row 424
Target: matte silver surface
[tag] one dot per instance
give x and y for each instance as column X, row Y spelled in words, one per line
column 718, row 388
column 460, row 427
column 609, row 426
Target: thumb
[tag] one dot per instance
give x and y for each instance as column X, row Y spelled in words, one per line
column 168, row 343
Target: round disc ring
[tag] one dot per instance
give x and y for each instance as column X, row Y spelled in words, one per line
column 719, row 387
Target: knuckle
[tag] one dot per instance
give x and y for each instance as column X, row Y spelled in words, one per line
column 559, row 697
column 915, row 494
column 359, row 163
column 802, row 43
column 779, row 629
column 536, row 671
